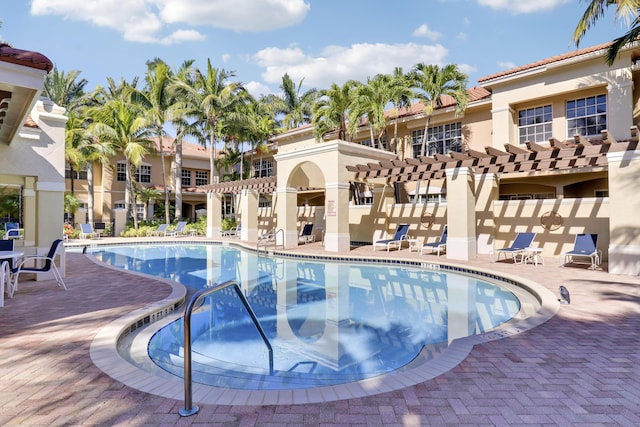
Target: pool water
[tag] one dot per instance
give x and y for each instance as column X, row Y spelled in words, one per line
column 328, row 322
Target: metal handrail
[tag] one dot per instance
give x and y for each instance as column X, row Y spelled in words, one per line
column 190, row 409
column 272, row 239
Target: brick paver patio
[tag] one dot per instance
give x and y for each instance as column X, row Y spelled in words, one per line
column 582, row 367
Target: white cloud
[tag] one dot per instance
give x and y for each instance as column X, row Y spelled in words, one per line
column 424, row 31
column 226, row 57
column 522, row 6
column 462, row 36
column 256, row 89
column 238, row 15
column 506, row 65
column 145, row 21
column 337, row 64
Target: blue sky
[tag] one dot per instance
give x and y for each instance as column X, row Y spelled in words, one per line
column 320, row 41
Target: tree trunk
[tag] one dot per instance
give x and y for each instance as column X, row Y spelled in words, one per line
column 90, row 198
column 177, row 178
column 164, row 183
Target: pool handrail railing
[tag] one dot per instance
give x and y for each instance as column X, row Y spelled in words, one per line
column 189, row 409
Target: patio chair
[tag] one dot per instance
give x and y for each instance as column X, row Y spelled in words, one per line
column 436, row 246
column 232, row 232
column 307, row 236
column 39, row 264
column 519, row 247
column 181, row 230
column 7, row 245
column 398, row 238
column 5, row 279
column 87, row 232
column 584, row 246
column 13, row 231
column 160, row 231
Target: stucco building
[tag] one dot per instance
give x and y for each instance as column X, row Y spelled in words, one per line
column 549, row 147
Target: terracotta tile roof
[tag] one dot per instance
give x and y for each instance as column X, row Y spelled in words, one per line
column 30, row 123
column 25, row 57
column 546, row 61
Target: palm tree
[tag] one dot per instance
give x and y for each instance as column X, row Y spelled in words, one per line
column 431, row 83
column 120, row 122
column 260, row 126
column 157, row 102
column 95, row 150
column 370, row 101
column 184, row 124
column 295, row 106
column 331, row 109
column 145, row 195
column 65, row 89
column 214, row 98
column 401, row 94
column 628, row 9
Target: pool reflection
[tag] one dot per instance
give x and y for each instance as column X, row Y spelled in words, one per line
column 329, row 323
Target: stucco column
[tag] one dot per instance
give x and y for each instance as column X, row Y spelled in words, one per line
column 619, row 115
column 29, row 211
column 487, row 191
column 624, row 204
column 502, row 125
column 337, row 237
column 214, row 214
column 461, row 214
column 288, row 215
column 249, row 209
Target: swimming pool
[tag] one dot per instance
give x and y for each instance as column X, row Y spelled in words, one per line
column 329, row 322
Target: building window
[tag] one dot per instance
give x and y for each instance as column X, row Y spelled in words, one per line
column 534, row 124
column 263, row 168
column 77, row 174
column 143, row 173
column 186, row 178
column 264, row 202
column 587, row 116
column 379, row 143
column 601, row 193
column 441, row 139
column 121, row 171
column 202, row 177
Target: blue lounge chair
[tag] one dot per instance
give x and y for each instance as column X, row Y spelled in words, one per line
column 519, row 247
column 307, row 235
column 436, row 246
column 584, row 246
column 396, row 241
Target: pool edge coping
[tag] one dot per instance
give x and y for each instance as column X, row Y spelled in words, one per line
column 104, row 353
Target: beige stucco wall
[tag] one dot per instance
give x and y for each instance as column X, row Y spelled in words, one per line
column 35, row 161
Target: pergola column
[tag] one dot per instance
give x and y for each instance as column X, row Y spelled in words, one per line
column 487, row 191
column 624, row 239
column 249, row 209
column 288, row 215
column 461, row 214
column 214, row 214
column 337, row 237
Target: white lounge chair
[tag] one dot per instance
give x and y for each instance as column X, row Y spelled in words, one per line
column 307, row 236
